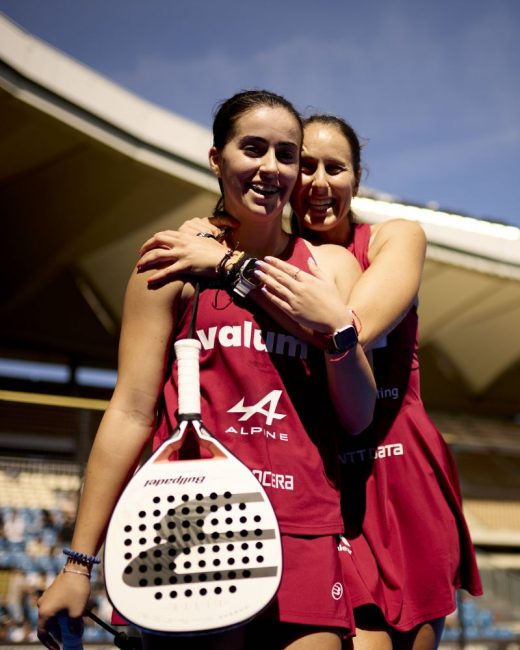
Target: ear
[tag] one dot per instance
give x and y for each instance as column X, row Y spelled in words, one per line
column 214, row 161
column 358, row 182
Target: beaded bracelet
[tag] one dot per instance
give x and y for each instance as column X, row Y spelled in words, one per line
column 81, row 558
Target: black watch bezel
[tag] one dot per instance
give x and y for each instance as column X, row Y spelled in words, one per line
column 247, row 272
column 246, row 278
column 342, row 340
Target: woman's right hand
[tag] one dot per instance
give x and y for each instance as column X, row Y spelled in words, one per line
column 184, row 252
column 68, row 594
column 174, row 254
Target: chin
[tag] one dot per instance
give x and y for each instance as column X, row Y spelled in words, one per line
column 322, row 224
column 265, row 212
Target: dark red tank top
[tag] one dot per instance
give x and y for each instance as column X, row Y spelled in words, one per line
column 396, row 364
column 265, row 396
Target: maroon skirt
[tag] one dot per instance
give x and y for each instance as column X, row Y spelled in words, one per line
column 409, row 545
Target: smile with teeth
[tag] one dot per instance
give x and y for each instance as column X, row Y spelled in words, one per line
column 264, row 190
column 320, row 204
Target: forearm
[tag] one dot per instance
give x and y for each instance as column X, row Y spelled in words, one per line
column 379, row 307
column 115, row 455
column 352, row 389
column 148, row 322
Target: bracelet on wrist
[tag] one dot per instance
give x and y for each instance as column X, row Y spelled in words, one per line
column 356, row 322
column 220, row 269
column 81, row 558
column 87, row 574
column 233, row 271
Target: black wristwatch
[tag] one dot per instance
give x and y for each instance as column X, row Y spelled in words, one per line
column 342, row 340
column 246, row 279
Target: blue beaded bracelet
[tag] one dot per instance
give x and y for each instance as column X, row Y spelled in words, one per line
column 81, row 558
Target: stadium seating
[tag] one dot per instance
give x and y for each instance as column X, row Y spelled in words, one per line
column 42, row 496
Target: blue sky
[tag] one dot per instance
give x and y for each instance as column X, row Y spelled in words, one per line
column 433, row 88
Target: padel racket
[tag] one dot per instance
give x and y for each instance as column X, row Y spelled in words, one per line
column 192, row 545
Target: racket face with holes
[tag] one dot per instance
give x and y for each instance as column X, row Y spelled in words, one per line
column 192, row 545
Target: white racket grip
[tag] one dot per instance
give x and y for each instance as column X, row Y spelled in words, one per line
column 187, row 352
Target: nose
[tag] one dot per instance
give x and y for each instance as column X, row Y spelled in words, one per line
column 319, row 178
column 269, row 163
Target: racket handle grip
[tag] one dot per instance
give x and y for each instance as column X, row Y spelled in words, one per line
column 71, row 639
column 187, row 352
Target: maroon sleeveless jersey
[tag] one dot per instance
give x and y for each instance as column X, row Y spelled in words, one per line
column 264, row 395
column 410, row 548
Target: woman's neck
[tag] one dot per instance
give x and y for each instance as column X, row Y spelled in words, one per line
column 259, row 239
column 339, row 234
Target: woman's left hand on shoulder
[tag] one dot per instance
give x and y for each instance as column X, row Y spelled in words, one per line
column 311, row 298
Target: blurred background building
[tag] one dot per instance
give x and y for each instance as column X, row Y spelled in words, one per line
column 87, row 172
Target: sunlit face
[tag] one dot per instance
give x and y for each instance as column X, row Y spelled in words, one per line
column 259, row 165
column 327, row 181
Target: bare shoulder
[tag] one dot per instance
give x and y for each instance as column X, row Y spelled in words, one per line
column 397, row 228
column 338, row 264
column 400, row 234
column 140, row 299
column 332, row 256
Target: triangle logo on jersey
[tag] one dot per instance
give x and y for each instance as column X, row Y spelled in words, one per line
column 271, row 400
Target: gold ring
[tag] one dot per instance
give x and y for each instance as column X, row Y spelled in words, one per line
column 295, row 276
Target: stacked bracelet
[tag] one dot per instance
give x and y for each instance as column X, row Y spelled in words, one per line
column 239, row 279
column 221, row 266
column 81, row 558
column 87, row 573
column 234, row 270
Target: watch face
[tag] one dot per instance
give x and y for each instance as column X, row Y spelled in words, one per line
column 248, row 272
column 345, row 339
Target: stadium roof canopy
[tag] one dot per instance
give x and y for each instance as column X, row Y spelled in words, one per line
column 89, row 170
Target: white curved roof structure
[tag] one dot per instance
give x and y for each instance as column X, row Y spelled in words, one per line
column 89, row 170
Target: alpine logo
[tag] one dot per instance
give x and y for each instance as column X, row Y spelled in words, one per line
column 270, row 413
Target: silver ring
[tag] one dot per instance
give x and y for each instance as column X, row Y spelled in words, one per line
column 206, row 234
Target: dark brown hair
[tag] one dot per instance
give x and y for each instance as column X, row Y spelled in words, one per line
column 348, row 132
column 355, row 145
column 230, row 110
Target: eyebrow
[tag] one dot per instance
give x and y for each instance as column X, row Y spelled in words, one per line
column 327, row 161
column 258, row 138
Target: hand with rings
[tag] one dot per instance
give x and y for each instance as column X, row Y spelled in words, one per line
column 207, row 234
column 172, row 254
column 310, row 297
